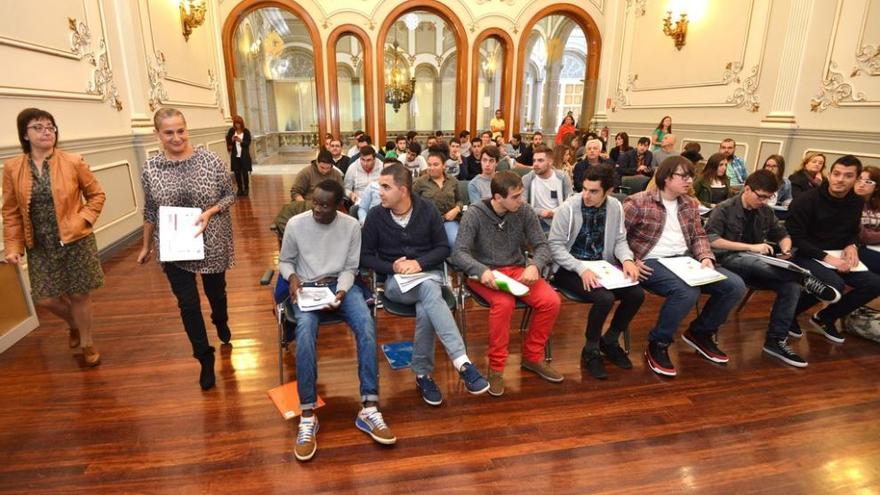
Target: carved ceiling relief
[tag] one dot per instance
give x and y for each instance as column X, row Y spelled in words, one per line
column 156, row 72
column 101, row 83
column 867, row 61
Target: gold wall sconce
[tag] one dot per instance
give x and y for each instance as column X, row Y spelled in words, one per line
column 679, row 32
column 192, row 15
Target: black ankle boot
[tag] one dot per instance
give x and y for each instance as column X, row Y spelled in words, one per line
column 224, row 333
column 206, row 376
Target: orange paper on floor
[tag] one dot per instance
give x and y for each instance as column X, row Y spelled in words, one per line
column 286, row 399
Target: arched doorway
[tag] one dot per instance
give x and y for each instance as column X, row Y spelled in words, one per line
column 274, row 72
column 449, row 48
column 491, row 74
column 351, row 97
column 557, row 69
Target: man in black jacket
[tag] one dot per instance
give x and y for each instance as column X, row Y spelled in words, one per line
column 824, row 226
column 404, row 236
column 592, row 158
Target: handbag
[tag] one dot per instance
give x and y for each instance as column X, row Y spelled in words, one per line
column 864, row 322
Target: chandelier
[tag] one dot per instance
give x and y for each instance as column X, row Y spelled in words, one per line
column 399, row 83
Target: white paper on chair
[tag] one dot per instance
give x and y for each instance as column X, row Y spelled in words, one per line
column 314, row 298
column 839, row 254
column 407, row 282
column 177, row 234
column 691, row 271
column 609, row 275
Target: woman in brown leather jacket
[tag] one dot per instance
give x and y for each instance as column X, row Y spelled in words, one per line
column 44, row 215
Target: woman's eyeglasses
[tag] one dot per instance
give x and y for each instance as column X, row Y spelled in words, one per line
column 39, row 128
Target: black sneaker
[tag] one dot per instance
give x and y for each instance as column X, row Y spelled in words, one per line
column 705, row 346
column 795, row 330
column 614, row 353
column 828, row 329
column 657, row 355
column 592, row 362
column 780, row 350
column 820, row 289
column 430, row 392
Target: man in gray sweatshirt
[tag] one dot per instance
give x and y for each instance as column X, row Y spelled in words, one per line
column 493, row 236
column 322, row 249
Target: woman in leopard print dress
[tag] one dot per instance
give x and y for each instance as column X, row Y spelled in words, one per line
column 196, row 178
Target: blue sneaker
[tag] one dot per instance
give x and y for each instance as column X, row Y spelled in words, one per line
column 473, row 380
column 429, row 390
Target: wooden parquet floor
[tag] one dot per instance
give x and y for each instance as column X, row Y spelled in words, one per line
column 140, row 424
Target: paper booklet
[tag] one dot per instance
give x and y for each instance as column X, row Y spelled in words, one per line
column 609, row 275
column 839, row 253
column 314, row 298
column 507, row 284
column 875, row 247
column 407, row 282
column 691, row 271
column 177, row 234
column 770, row 260
column 286, row 399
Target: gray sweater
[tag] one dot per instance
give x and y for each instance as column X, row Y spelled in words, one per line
column 479, row 188
column 567, row 224
column 314, row 251
column 486, row 241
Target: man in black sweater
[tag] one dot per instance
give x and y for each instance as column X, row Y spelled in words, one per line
column 404, row 236
column 824, row 227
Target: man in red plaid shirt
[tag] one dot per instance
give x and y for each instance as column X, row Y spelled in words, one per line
column 665, row 222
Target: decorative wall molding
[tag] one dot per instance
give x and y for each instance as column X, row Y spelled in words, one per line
column 215, row 84
column 131, row 182
column 156, row 73
column 745, row 95
column 101, row 83
column 834, row 91
column 867, row 61
column 622, row 96
column 639, row 7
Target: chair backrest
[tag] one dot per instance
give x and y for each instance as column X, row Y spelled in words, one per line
column 503, row 165
column 463, row 191
column 522, row 171
column 634, row 183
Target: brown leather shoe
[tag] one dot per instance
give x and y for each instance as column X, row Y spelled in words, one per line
column 496, row 383
column 91, row 355
column 544, row 370
column 73, row 338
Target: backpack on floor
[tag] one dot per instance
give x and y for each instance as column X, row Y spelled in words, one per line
column 864, row 322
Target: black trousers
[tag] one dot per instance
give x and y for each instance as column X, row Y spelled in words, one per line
column 242, row 180
column 183, row 284
column 602, row 300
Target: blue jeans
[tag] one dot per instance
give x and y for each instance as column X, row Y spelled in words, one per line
column 786, row 283
column 432, row 316
column 681, row 298
column 451, row 229
column 865, row 287
column 355, row 313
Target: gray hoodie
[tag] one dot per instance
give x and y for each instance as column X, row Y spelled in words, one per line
column 567, row 224
column 486, row 241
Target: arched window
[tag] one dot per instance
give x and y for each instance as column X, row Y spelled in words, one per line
column 350, row 74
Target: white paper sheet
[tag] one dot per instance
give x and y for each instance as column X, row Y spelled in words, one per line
column 609, row 275
column 691, row 271
column 177, row 234
column 839, row 254
column 314, row 298
column 407, row 282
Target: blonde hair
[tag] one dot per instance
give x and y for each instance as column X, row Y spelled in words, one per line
column 812, row 154
column 166, row 113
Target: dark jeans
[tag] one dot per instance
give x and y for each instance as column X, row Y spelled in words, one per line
column 242, row 178
column 786, row 283
column 183, row 284
column 870, row 258
column 865, row 287
column 681, row 298
column 602, row 301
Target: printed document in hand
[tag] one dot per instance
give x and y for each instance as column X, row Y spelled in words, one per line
column 609, row 275
column 781, row 263
column 839, row 254
column 177, row 234
column 507, row 284
column 314, row 298
column 691, row 271
column 407, row 282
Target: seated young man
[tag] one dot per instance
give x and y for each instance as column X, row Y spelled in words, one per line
column 404, row 235
column 308, row 178
column 828, row 218
column 333, row 265
column 480, row 186
column 589, row 227
column 360, row 174
column 470, row 168
column 492, row 236
column 370, row 196
column 413, row 160
column 545, row 188
column 745, row 224
column 665, row 222
column 636, row 161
